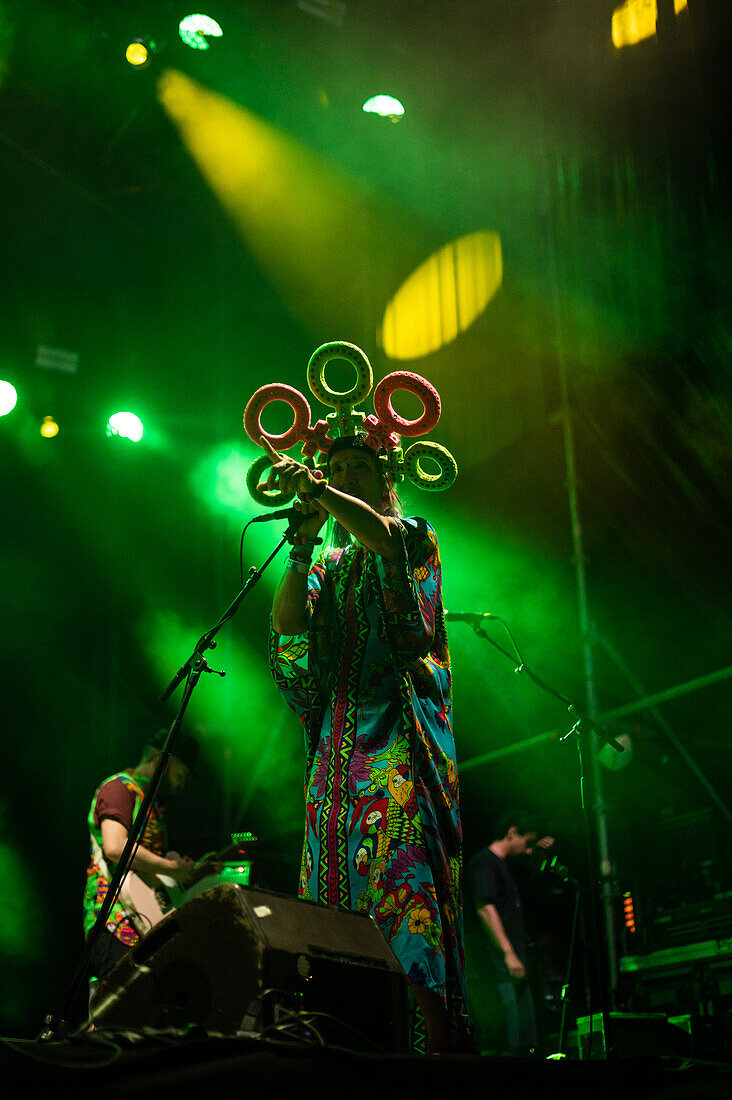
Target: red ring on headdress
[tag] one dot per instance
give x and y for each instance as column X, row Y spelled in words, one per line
column 412, row 383
column 265, row 395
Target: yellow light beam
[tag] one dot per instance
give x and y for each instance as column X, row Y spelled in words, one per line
column 636, row 20
column 443, row 296
column 322, row 242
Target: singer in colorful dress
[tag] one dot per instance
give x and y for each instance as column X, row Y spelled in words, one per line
column 369, row 678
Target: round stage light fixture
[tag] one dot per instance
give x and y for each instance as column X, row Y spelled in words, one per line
column 139, row 52
column 8, row 397
column 125, row 424
column 49, row 427
column 195, row 30
column 386, row 106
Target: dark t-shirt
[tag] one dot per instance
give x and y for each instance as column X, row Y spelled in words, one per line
column 115, row 800
column 490, row 882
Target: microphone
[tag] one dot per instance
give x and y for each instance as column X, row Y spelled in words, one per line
column 469, row 616
column 290, row 514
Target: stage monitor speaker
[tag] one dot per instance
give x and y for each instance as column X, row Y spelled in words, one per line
column 238, row 959
column 633, row 1035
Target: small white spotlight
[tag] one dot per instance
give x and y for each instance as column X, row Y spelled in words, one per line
column 194, row 31
column 8, row 397
column 127, row 425
column 384, row 105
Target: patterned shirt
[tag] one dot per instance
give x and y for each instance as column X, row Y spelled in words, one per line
column 108, row 802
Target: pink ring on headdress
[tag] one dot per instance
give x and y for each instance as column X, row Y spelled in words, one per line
column 412, row 383
column 265, row 395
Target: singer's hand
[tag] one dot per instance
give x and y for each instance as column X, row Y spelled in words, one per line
column 290, row 476
column 285, row 473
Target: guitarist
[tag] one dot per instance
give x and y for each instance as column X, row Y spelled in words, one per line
column 111, row 814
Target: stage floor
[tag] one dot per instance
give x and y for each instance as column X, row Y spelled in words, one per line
column 116, row 1066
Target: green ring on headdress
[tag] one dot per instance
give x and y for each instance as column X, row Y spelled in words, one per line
column 437, row 454
column 319, row 388
column 264, row 497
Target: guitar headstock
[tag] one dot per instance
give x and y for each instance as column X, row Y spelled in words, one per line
column 242, row 845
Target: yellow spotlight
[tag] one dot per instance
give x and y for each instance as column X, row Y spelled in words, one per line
column 636, row 20
column 138, row 53
column 443, row 296
column 49, row 427
column 315, row 233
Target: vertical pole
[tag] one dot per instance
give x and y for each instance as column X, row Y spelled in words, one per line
column 598, row 809
column 228, row 794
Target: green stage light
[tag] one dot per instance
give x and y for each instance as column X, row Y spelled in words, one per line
column 384, row 105
column 194, row 31
column 125, row 424
column 8, row 397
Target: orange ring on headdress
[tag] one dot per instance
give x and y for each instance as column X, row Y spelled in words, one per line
column 411, row 383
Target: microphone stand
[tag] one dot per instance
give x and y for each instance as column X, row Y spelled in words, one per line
column 56, row 1026
column 582, row 729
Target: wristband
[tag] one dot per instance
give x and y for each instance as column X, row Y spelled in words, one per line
column 301, row 553
column 318, row 492
column 294, row 565
column 305, row 543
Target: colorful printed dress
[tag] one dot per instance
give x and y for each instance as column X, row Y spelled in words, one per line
column 370, row 682
column 98, row 875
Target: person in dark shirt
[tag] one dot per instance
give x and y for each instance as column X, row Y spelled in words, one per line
column 497, row 903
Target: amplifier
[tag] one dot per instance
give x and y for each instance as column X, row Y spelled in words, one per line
column 632, row 1035
column 710, row 919
column 238, row 959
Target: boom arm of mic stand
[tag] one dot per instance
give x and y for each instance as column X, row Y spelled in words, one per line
column 206, row 641
column 581, row 727
column 581, row 720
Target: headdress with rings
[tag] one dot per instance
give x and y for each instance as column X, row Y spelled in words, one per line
column 380, row 432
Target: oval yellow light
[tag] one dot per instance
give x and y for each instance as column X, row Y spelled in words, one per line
column 49, row 427
column 443, row 296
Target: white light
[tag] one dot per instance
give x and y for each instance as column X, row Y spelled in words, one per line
column 8, row 398
column 194, row 29
column 125, row 424
column 384, row 105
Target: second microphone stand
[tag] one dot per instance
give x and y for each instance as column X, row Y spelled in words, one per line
column 582, row 729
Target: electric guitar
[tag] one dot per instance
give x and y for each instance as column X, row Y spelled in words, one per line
column 147, row 898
